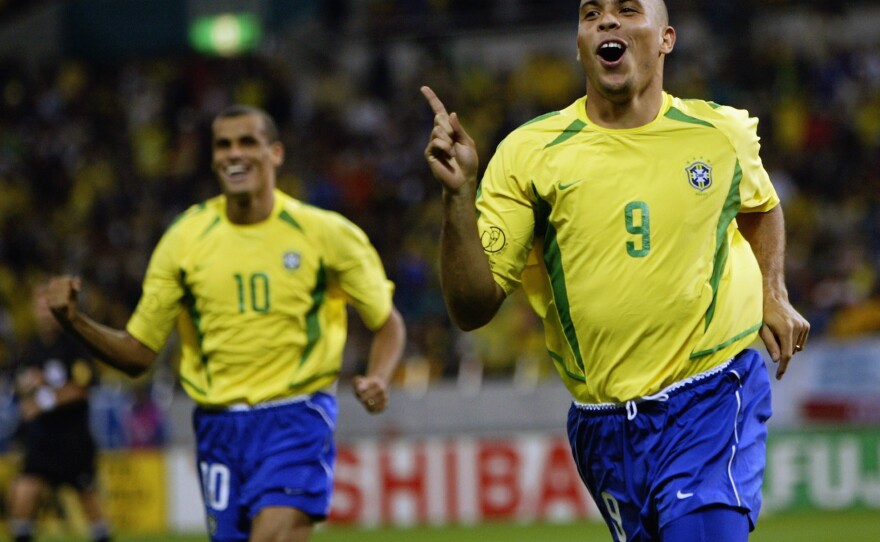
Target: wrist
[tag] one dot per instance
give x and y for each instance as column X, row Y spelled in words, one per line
column 467, row 191
column 46, row 398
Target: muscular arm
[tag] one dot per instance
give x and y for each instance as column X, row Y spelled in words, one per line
column 785, row 331
column 385, row 351
column 472, row 296
column 113, row 346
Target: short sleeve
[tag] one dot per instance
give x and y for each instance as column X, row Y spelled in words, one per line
column 506, row 218
column 159, row 305
column 756, row 191
column 359, row 271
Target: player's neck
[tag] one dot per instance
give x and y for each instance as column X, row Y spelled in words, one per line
column 631, row 112
column 249, row 208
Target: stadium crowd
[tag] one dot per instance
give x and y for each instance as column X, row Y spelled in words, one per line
column 97, row 158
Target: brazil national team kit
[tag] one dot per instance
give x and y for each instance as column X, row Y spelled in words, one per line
column 262, row 326
column 652, row 336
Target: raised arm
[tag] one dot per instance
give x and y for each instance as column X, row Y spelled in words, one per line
column 385, row 351
column 785, row 331
column 472, row 296
column 113, row 346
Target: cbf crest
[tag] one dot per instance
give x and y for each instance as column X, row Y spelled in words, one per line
column 292, row 260
column 699, row 175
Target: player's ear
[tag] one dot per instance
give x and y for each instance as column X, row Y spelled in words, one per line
column 277, row 153
column 667, row 40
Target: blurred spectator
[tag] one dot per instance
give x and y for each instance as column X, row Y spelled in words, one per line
column 145, row 424
column 96, row 159
column 53, row 374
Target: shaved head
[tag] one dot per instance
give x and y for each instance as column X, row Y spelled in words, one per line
column 662, row 12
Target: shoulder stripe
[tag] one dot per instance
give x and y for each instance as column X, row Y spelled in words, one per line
column 210, row 227
column 675, row 114
column 540, row 118
column 570, row 131
column 195, row 209
column 287, row 217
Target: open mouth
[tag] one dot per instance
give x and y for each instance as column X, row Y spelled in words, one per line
column 611, row 51
column 235, row 171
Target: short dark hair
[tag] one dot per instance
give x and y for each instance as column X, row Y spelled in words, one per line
column 238, row 110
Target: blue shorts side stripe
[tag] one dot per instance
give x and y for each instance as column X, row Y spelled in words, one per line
column 280, row 455
column 698, row 445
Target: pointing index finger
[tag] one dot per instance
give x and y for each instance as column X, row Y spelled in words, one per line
column 433, row 100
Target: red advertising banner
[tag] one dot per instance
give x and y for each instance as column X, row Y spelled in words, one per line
column 523, row 478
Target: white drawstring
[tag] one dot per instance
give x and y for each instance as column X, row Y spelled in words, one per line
column 632, row 409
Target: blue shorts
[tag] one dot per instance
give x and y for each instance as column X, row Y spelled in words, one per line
column 270, row 455
column 698, row 444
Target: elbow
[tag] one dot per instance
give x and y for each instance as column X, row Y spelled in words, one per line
column 135, row 371
column 468, row 314
column 134, row 363
column 468, row 321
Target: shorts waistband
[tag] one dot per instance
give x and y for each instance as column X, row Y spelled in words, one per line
column 246, row 407
column 662, row 395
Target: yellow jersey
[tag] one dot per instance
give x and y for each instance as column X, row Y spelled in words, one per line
column 626, row 244
column 260, row 308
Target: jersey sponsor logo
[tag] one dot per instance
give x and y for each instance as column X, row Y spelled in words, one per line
column 493, row 239
column 292, row 260
column 566, row 186
column 699, row 175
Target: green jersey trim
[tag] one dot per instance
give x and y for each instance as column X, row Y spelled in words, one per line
column 675, row 114
column 189, row 303
column 570, row 131
column 313, row 323
column 286, row 217
column 540, row 118
column 728, row 213
column 210, row 227
column 559, row 361
column 727, row 343
column 192, row 386
column 305, row 382
column 553, row 262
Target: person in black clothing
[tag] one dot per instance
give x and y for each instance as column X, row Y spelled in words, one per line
column 53, row 374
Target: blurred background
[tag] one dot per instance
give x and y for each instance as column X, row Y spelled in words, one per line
column 105, row 110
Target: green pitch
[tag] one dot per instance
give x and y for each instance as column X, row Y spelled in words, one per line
column 851, row 526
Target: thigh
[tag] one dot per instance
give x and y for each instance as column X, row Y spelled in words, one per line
column 612, row 472
column 716, row 455
column 281, row 524
column 713, row 524
column 24, row 496
column 297, row 455
column 218, row 462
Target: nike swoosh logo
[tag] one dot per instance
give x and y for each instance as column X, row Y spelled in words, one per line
column 682, row 495
column 565, row 186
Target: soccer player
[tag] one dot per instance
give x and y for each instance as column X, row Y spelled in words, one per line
column 257, row 283
column 647, row 236
column 53, row 374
